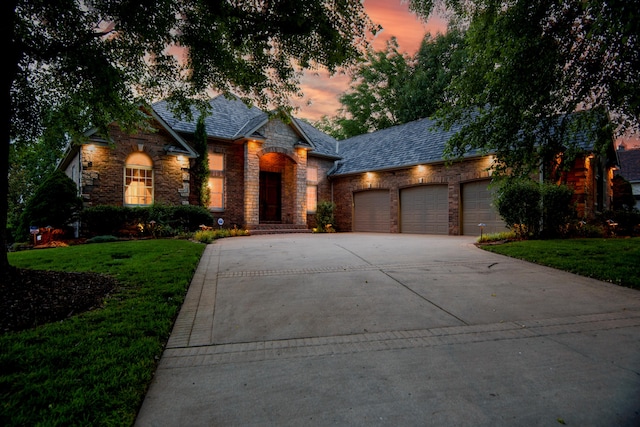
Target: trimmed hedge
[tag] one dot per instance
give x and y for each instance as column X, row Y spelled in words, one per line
column 156, row 220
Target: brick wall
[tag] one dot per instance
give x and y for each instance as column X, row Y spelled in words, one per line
column 453, row 175
column 102, row 175
column 324, row 186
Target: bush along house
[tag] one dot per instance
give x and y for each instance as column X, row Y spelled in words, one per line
column 268, row 172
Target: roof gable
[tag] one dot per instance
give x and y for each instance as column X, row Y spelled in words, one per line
column 630, row 164
column 230, row 118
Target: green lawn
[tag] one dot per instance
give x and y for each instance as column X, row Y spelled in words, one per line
column 612, row 260
column 94, row 368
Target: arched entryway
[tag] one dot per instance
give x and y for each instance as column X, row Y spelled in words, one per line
column 278, row 189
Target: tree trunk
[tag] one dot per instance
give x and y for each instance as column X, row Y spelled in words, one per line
column 12, row 58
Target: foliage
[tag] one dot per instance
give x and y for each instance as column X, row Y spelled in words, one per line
column 30, row 162
column 209, row 236
column 530, row 66
column 497, row 237
column 518, row 203
column 389, row 88
column 95, row 368
column 611, row 260
column 621, row 222
column 55, row 203
column 157, row 220
column 623, row 198
column 557, row 209
column 325, row 217
column 200, row 169
column 73, row 66
column 534, row 209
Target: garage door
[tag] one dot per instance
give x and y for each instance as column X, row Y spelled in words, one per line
column 424, row 209
column 371, row 211
column 477, row 208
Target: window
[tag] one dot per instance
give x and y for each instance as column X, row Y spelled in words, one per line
column 216, row 162
column 216, row 181
column 138, row 180
column 216, row 194
column 312, row 189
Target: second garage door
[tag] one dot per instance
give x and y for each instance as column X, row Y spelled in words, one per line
column 371, row 211
column 477, row 208
column 424, row 209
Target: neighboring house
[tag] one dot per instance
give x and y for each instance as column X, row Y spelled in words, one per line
column 630, row 168
column 270, row 171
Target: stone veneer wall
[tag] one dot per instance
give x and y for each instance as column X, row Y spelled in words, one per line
column 453, row 175
column 102, row 175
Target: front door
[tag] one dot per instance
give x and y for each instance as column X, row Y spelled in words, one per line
column 270, row 191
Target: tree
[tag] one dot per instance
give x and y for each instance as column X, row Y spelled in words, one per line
column 29, row 164
column 373, row 100
column 72, row 65
column 200, row 168
column 531, row 65
column 55, row 203
column 390, row 88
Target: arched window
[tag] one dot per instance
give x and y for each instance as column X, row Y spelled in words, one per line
column 138, row 180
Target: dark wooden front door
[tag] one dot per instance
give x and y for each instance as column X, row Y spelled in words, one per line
column 270, row 193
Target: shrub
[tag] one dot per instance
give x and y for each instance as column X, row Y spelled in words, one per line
column 627, row 222
column 518, row 203
column 55, row 203
column 157, row 220
column 208, row 236
column 557, row 209
column 104, row 219
column 497, row 237
column 325, row 217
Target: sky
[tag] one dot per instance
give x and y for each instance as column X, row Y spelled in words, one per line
column 321, row 91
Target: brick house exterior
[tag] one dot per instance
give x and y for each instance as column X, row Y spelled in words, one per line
column 98, row 167
column 270, row 170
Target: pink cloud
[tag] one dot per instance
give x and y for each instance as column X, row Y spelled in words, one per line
column 321, row 92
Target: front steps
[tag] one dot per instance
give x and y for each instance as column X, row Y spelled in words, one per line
column 257, row 229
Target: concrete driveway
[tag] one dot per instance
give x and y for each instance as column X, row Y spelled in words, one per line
column 398, row 330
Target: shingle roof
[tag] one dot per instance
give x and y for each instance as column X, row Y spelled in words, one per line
column 413, row 143
column 324, row 145
column 229, row 118
column 233, row 119
column 630, row 164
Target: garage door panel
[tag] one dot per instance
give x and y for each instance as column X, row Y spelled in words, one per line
column 425, row 209
column 477, row 208
column 371, row 211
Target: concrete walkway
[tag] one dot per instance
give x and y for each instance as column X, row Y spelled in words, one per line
column 394, row 330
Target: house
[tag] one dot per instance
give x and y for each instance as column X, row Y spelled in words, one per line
column 269, row 171
column 630, row 168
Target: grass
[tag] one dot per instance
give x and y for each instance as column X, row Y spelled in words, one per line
column 94, row 368
column 612, row 260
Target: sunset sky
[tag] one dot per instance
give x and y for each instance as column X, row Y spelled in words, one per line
column 322, row 92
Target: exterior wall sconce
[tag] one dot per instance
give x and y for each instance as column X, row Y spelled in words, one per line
column 140, row 147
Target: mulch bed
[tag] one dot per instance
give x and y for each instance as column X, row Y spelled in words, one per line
column 34, row 297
